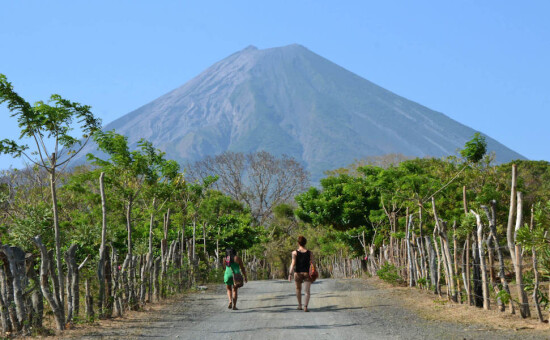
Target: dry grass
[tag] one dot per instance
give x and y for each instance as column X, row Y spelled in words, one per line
column 129, row 319
column 431, row 307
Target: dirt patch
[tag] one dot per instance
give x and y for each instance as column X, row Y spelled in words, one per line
column 149, row 312
column 431, row 307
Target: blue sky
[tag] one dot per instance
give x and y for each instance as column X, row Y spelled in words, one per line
column 482, row 63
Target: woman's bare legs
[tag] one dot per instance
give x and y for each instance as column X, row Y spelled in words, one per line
column 299, row 294
column 229, row 295
column 235, row 296
column 307, row 288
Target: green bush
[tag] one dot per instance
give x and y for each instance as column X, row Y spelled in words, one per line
column 215, row 275
column 389, row 273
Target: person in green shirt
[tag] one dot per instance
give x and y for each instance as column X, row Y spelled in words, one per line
column 233, row 265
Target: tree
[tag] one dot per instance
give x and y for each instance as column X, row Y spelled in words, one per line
column 475, row 148
column 343, row 203
column 48, row 124
column 128, row 172
column 260, row 180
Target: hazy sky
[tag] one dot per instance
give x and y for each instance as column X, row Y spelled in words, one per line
column 482, row 63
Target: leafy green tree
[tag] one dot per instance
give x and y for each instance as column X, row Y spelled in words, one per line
column 344, row 202
column 128, row 172
column 474, row 149
column 49, row 126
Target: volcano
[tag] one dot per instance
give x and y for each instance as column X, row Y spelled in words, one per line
column 289, row 100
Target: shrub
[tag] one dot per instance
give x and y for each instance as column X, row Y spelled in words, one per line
column 389, row 273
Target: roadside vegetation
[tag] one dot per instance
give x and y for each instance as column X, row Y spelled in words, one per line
column 132, row 227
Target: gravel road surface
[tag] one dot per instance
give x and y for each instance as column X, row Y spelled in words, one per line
column 340, row 309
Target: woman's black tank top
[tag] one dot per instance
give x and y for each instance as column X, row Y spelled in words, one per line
column 302, row 262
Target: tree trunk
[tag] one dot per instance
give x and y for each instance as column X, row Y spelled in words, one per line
column 491, row 217
column 37, row 300
column 518, row 263
column 71, row 268
column 150, row 283
column 204, row 240
column 7, row 283
column 151, row 224
column 156, row 284
column 4, row 316
column 423, row 250
column 60, row 275
column 16, row 260
column 485, row 285
column 89, row 302
column 465, row 277
column 438, row 263
column 477, row 291
column 73, row 283
column 412, row 277
column 131, row 296
column 536, row 272
column 194, row 238
column 442, row 228
column 510, row 224
column 134, row 283
column 109, row 301
column 448, row 259
column 455, row 258
column 144, row 277
column 433, row 265
column 536, row 288
column 165, row 257
column 102, row 256
column 125, row 286
column 445, row 267
column 53, row 300
column 116, row 293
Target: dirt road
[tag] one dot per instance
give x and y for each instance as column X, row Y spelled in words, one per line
column 340, row 309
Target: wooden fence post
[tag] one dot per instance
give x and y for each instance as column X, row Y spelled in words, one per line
column 491, row 217
column 518, row 263
column 485, row 285
column 45, row 270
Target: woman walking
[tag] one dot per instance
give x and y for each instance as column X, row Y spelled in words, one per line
column 301, row 260
column 233, row 265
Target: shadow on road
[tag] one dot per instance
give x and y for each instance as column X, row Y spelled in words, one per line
column 290, row 327
column 289, row 308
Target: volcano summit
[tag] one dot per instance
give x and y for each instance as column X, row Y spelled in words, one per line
column 289, row 100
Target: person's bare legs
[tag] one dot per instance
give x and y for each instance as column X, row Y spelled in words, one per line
column 229, row 292
column 235, row 296
column 299, row 293
column 307, row 288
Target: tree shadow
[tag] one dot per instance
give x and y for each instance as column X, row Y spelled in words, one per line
column 290, row 327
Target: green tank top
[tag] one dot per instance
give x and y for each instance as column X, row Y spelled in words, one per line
column 228, row 275
column 234, row 266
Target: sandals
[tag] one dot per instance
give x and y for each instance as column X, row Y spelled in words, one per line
column 305, row 309
column 230, row 305
column 299, row 308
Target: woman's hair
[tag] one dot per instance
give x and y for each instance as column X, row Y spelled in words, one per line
column 302, row 241
column 230, row 255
